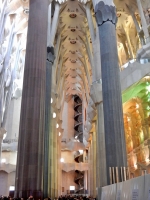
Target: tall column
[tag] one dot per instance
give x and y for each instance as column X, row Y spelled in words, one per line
column 95, row 45
column 49, row 64
column 49, row 25
column 129, row 44
column 101, row 174
column 2, row 132
column 90, row 22
column 5, row 65
column 111, row 90
column 2, row 17
column 136, row 24
column 51, row 157
column 94, row 163
column 143, row 20
column 30, row 159
column 126, row 49
column 89, row 171
column 101, row 154
column 55, row 164
column 55, row 22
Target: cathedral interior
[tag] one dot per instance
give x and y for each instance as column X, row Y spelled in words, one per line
column 75, row 98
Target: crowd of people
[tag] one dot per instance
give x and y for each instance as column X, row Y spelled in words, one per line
column 76, row 197
column 65, row 197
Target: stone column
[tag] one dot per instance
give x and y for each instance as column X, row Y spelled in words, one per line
column 9, row 88
column 59, row 168
column 90, row 21
column 129, row 44
column 49, row 64
column 2, row 132
column 49, row 25
column 95, row 59
column 94, row 163
column 89, row 171
column 101, row 154
column 55, row 164
column 51, row 157
column 55, row 22
column 101, row 174
column 2, row 18
column 136, row 24
column 5, row 65
column 125, row 48
column 143, row 20
column 30, row 159
column 111, row 90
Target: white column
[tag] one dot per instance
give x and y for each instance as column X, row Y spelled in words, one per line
column 143, row 20
column 2, row 16
column 6, row 63
column 95, row 45
column 90, row 22
column 49, row 26
column 89, row 53
column 55, row 23
column 2, row 132
column 10, row 88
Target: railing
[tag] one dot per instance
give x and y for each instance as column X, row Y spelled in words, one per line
column 141, row 61
column 8, row 141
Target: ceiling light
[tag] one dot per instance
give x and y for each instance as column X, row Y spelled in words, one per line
column 11, row 188
column 3, row 160
column 4, row 136
column 59, row 133
column 62, row 160
column 57, row 125
column 51, row 100
column 81, row 151
column 54, row 115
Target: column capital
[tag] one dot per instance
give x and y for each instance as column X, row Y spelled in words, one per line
column 105, row 13
column 50, row 54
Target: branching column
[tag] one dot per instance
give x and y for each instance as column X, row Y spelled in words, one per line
column 30, row 160
column 143, row 20
column 111, row 90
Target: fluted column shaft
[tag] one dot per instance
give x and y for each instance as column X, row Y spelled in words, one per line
column 29, row 172
column 55, row 22
column 113, row 117
column 94, row 163
column 49, row 64
column 100, row 148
